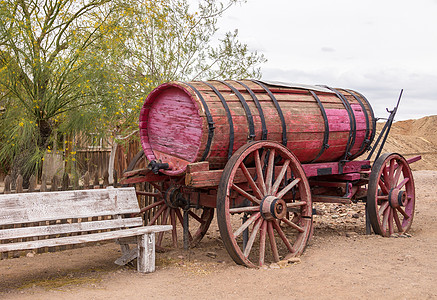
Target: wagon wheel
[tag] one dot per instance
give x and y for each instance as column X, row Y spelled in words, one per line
column 159, row 212
column 263, row 196
column 391, row 195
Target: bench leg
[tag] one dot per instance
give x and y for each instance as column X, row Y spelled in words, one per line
column 146, row 253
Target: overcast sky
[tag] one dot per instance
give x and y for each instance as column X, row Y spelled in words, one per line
column 374, row 47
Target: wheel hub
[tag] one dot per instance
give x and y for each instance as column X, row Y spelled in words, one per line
column 174, row 198
column 397, row 198
column 273, row 208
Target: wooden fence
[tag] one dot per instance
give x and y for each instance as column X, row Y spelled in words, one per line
column 96, row 161
column 57, row 184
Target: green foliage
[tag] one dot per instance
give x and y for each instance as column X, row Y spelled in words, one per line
column 85, row 66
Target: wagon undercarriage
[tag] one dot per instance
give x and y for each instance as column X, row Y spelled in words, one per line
column 264, row 199
column 261, row 153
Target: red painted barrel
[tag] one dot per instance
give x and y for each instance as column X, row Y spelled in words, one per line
column 182, row 123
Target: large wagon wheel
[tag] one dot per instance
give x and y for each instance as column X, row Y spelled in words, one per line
column 160, row 212
column 264, row 195
column 391, row 195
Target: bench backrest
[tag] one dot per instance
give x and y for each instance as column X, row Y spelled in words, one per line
column 43, row 215
column 48, row 206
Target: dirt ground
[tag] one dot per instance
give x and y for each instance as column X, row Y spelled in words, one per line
column 340, row 262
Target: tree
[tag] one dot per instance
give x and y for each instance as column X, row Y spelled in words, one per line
column 42, row 47
column 86, row 66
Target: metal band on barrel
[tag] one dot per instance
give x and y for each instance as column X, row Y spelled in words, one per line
column 372, row 115
column 352, row 122
column 228, row 114
column 366, row 136
column 246, row 109
column 325, row 119
column 208, row 118
column 278, row 108
column 260, row 110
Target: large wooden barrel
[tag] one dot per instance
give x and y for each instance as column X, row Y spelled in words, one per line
column 181, row 123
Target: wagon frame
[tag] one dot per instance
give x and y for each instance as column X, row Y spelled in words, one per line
column 264, row 196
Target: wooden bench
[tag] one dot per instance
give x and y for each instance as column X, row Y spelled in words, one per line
column 49, row 219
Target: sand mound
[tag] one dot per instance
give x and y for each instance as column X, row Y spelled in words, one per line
column 414, row 137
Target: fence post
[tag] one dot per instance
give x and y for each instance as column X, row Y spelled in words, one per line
column 115, row 183
column 19, row 184
column 43, row 187
column 105, row 179
column 96, row 183
column 75, row 181
column 8, row 181
column 55, row 183
column 65, row 182
column 86, row 180
column 32, row 183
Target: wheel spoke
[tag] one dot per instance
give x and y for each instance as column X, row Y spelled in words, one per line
column 259, row 173
column 157, row 187
column 251, row 181
column 148, row 194
column 272, row 241
column 296, row 204
column 246, row 224
column 164, row 222
column 245, row 194
column 397, row 175
column 150, row 206
column 262, row 242
column 292, row 225
column 252, row 237
column 196, row 217
column 390, row 221
column 382, row 208
column 383, row 186
column 397, row 221
column 243, row 209
column 383, row 198
column 403, row 182
column 282, row 236
column 280, row 177
column 391, row 172
column 406, row 216
column 270, row 167
column 158, row 213
column 386, row 214
column 386, row 178
column 287, row 188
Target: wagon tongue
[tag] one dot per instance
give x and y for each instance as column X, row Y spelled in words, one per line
column 142, row 175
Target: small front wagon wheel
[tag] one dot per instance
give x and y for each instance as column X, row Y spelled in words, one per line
column 159, row 212
column 391, row 195
column 264, row 198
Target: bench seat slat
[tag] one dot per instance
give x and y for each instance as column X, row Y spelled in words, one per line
column 93, row 237
column 47, row 206
column 26, row 232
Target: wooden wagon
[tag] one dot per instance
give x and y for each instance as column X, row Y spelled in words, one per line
column 261, row 153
